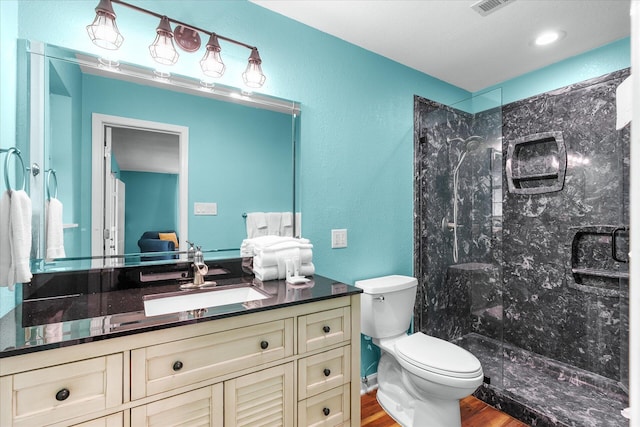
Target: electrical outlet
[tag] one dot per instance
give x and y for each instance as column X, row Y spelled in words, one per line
column 205, row 208
column 339, row 238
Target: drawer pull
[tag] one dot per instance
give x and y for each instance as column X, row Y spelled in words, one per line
column 264, row 345
column 63, row 394
column 326, row 411
column 177, row 366
column 326, row 372
column 326, row 329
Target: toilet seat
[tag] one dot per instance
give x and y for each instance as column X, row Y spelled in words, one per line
column 437, row 356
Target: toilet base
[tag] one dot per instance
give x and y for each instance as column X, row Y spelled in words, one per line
column 402, row 405
column 433, row 413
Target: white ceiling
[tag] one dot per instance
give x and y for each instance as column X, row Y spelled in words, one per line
column 143, row 150
column 448, row 40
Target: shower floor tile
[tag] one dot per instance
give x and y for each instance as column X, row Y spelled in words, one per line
column 562, row 394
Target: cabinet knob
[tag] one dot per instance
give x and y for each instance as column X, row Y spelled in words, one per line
column 326, row 411
column 63, row 394
column 326, row 329
column 264, row 345
column 326, row 372
column 177, row 366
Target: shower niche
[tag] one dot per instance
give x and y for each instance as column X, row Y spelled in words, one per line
column 536, row 163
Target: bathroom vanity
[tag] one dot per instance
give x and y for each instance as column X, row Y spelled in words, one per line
column 96, row 359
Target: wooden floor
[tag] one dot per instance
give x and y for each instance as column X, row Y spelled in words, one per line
column 474, row 413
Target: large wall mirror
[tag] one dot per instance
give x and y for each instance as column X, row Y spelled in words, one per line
column 127, row 152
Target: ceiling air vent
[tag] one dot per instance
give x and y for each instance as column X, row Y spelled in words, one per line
column 485, row 7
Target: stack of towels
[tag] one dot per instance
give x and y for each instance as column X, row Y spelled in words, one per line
column 278, row 257
column 15, row 238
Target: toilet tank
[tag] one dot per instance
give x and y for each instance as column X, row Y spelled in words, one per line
column 387, row 305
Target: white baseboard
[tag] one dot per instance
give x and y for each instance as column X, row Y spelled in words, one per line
column 370, row 384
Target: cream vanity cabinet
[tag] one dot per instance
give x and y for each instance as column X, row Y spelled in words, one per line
column 292, row 366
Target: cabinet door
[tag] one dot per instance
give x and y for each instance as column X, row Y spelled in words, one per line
column 319, row 330
column 58, row 393
column 202, row 407
column 113, row 420
column 264, row 398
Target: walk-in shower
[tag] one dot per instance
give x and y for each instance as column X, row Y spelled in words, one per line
column 521, row 216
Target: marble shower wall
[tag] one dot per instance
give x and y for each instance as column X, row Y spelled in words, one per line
column 513, row 280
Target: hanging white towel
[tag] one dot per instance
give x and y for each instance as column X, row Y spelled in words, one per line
column 256, row 224
column 624, row 102
column 20, row 237
column 286, row 224
column 273, row 223
column 5, row 246
column 55, row 236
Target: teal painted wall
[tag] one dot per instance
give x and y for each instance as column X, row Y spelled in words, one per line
column 151, row 200
column 356, row 155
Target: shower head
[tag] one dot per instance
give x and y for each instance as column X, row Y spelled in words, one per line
column 473, row 142
column 470, row 144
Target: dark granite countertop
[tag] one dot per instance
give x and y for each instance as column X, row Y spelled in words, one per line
column 43, row 323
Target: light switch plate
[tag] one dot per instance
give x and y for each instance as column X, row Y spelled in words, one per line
column 205, row 208
column 339, row 238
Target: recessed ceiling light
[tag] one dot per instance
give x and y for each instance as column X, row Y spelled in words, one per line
column 549, row 37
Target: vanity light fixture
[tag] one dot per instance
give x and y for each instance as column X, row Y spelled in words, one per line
column 104, row 33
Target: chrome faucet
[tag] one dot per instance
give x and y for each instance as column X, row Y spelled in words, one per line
column 200, row 269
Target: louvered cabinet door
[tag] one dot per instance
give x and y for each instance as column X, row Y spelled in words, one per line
column 201, row 407
column 262, row 399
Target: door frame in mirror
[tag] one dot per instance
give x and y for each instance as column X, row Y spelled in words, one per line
column 98, row 124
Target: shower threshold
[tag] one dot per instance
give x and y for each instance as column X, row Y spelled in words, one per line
column 544, row 392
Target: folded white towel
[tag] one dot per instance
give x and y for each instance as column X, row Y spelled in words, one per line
column 268, row 258
column 256, row 224
column 5, row 246
column 20, row 237
column 272, row 273
column 252, row 246
column 55, row 236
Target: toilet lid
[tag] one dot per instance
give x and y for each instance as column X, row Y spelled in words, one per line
column 438, row 356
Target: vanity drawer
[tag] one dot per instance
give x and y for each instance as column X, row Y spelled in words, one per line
column 318, row 330
column 114, row 420
column 323, row 371
column 328, row 409
column 54, row 394
column 175, row 364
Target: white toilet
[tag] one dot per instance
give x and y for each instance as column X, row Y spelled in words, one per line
column 421, row 379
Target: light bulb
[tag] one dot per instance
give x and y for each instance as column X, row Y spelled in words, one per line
column 253, row 76
column 103, row 31
column 162, row 49
column 211, row 63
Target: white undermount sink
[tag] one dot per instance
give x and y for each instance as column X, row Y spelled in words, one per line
column 157, row 305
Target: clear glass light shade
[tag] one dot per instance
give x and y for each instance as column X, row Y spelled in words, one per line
column 253, row 76
column 104, row 31
column 162, row 49
column 212, row 64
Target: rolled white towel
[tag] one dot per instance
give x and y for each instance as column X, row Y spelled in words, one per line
column 5, row 246
column 55, row 236
column 20, row 237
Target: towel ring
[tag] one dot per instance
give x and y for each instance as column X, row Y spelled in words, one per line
column 50, row 173
column 13, row 152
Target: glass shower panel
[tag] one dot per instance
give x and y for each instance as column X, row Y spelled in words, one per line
column 460, row 209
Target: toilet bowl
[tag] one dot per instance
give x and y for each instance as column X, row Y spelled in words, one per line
column 420, row 378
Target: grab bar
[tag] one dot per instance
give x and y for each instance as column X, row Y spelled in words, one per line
column 13, row 151
column 50, row 173
column 614, row 248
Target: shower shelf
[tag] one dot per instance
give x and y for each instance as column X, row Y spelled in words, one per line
column 591, row 265
column 601, row 273
column 536, row 163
